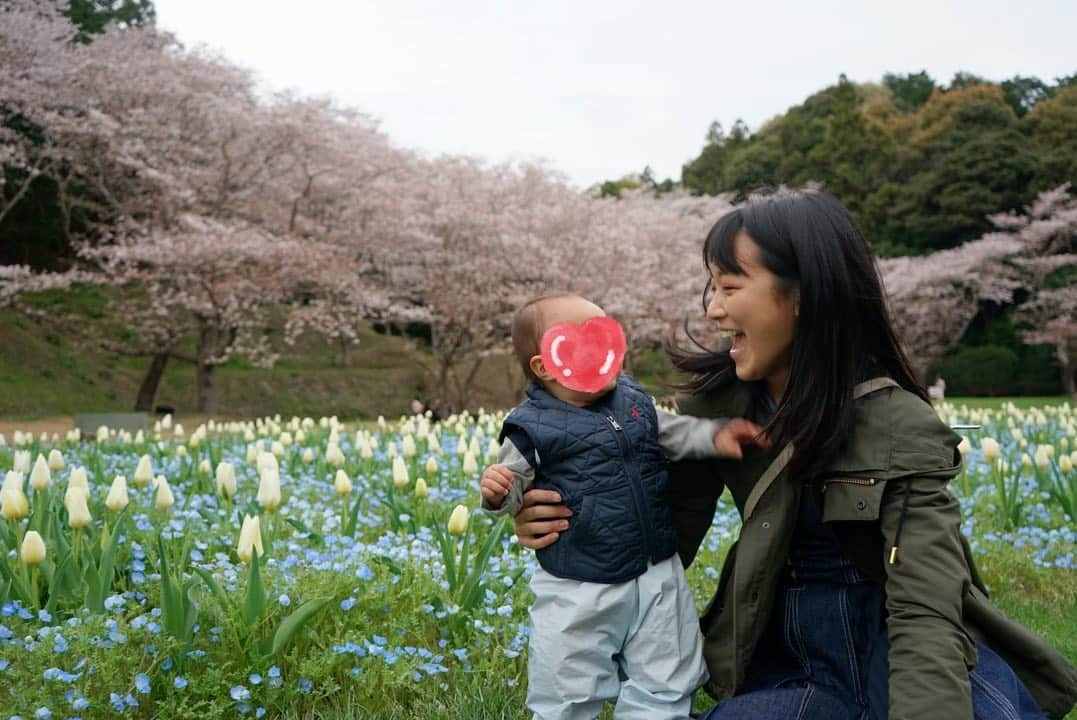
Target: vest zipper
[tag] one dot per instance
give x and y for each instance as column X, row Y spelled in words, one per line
column 636, row 481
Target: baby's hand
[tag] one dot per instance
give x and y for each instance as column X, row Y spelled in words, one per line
column 736, row 433
column 495, row 484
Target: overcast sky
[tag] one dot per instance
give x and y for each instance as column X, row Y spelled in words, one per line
column 600, row 89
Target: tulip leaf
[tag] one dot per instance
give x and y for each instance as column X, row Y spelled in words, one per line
column 255, row 603
column 54, row 586
column 171, row 600
column 291, row 625
column 353, row 519
column 302, row 527
column 6, row 536
column 216, row 590
column 16, row 583
column 471, row 587
column 107, row 567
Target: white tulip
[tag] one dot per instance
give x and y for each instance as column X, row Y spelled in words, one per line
column 13, row 503
column 144, row 472
column 78, row 511
column 56, row 460
column 164, row 498
column 400, row 472
column 117, row 494
column 226, row 479
column 40, row 476
column 471, row 465
column 334, row 456
column 341, row 483
column 458, row 520
column 269, row 488
column 250, row 539
column 32, row 551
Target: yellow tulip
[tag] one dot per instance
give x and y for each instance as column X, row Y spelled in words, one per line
column 471, row 465
column 32, row 551
column 458, row 520
column 431, row 466
column 421, row 490
column 408, row 446
column 308, row 456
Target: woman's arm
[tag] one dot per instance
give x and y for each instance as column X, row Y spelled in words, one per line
column 930, row 652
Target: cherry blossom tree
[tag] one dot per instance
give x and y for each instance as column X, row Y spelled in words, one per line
column 934, row 298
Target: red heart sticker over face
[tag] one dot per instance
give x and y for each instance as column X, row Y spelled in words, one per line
column 584, row 357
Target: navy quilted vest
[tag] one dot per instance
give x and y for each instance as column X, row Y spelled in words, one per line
column 605, row 461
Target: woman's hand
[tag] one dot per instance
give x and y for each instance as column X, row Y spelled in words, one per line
column 736, row 433
column 541, row 519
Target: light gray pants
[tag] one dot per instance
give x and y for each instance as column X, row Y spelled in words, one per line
column 583, row 633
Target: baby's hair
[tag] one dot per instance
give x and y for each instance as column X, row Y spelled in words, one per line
column 528, row 326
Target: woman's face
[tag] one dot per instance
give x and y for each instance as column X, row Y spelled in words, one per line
column 760, row 318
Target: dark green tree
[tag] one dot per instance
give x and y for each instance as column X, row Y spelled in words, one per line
column 911, row 91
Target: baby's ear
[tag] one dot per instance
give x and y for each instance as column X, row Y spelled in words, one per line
column 539, row 368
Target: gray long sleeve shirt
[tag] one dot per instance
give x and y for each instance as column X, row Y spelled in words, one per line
column 681, row 437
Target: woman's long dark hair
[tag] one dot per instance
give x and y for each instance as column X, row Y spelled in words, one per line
column 843, row 331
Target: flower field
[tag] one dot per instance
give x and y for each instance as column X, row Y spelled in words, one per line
column 302, row 568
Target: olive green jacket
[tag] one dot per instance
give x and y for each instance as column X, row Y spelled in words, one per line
column 937, row 607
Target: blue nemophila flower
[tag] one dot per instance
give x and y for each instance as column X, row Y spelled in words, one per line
column 255, row 679
column 115, row 603
column 142, row 683
column 43, row 713
column 59, row 644
column 55, row 673
column 166, row 664
column 284, row 600
column 260, row 712
column 3, row 665
column 347, row 604
column 179, row 682
column 239, row 693
column 44, row 616
column 305, row 686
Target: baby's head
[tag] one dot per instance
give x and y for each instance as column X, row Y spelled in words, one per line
column 531, row 322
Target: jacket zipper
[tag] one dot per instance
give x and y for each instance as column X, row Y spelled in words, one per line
column 850, row 481
column 628, row 457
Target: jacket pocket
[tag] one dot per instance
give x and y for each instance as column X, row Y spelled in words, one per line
column 605, row 529
column 852, row 498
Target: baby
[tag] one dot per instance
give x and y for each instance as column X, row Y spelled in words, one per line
column 611, row 597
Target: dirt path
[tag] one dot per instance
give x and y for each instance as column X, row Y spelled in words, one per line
column 59, row 424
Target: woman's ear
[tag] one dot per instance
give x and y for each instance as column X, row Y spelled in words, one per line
column 539, row 368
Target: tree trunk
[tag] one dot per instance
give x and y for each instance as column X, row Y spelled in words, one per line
column 147, row 392
column 208, row 337
column 207, row 396
column 345, row 351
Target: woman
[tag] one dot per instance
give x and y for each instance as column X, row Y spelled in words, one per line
column 851, row 592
